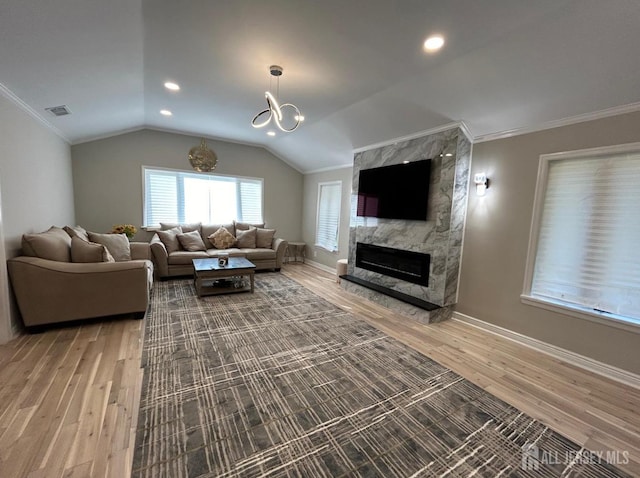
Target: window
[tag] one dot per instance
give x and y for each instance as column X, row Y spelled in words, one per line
column 584, row 252
column 328, row 224
column 180, row 196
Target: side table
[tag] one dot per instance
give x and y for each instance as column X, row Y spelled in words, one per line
column 296, row 250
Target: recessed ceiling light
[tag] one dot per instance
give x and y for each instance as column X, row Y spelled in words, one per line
column 171, row 86
column 166, row 112
column 271, row 133
column 433, row 43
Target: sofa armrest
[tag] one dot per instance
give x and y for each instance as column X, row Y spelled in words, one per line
column 50, row 291
column 140, row 251
column 280, row 246
column 160, row 256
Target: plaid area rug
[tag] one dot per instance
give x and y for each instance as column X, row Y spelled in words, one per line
column 284, row 383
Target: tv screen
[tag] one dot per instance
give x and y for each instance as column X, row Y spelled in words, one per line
column 399, row 191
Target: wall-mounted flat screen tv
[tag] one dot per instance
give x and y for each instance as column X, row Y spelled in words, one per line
column 399, row 191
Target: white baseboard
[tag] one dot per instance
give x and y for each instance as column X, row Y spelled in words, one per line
column 317, row 265
column 586, row 363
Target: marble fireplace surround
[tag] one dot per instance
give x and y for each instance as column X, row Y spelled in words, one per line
column 440, row 236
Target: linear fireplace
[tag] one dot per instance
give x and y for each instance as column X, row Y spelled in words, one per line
column 406, row 265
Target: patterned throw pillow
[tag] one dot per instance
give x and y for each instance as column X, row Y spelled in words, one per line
column 246, row 239
column 222, row 239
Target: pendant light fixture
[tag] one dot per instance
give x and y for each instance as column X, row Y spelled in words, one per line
column 202, row 159
column 287, row 116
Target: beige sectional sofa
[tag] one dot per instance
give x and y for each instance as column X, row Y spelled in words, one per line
column 62, row 278
column 176, row 245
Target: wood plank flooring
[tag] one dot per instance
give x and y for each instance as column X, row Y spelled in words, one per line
column 69, row 396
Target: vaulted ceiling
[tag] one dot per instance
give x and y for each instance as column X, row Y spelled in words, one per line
column 356, row 68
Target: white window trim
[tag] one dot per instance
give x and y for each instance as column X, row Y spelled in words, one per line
column 604, row 318
column 160, row 168
column 328, row 183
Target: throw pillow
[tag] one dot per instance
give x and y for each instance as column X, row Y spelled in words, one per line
column 77, row 231
column 245, row 226
column 222, row 239
column 117, row 244
column 85, row 251
column 170, row 239
column 194, row 226
column 246, row 239
column 208, row 229
column 191, row 241
column 264, row 238
column 53, row 244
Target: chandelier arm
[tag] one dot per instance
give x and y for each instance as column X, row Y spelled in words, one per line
column 264, row 123
column 296, row 116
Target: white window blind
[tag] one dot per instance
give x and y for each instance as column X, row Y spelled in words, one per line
column 588, row 248
column 328, row 220
column 180, row 196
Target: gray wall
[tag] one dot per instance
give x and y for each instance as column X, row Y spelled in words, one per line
column 497, row 237
column 35, row 184
column 310, row 212
column 107, row 176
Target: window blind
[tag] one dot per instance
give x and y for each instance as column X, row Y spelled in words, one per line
column 328, row 222
column 587, row 252
column 180, row 196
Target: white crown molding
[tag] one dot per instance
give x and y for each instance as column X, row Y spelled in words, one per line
column 418, row 134
column 329, row 168
column 8, row 94
column 586, row 363
column 108, row 135
column 595, row 115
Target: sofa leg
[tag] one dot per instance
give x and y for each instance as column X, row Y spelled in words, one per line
column 277, row 269
column 139, row 315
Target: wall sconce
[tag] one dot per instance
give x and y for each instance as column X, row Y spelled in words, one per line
column 482, row 183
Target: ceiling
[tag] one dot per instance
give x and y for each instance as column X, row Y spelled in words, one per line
column 356, row 68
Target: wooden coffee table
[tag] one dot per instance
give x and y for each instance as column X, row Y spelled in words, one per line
column 210, row 278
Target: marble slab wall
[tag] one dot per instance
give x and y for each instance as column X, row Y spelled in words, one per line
column 441, row 235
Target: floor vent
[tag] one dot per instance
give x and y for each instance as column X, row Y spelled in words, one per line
column 61, row 110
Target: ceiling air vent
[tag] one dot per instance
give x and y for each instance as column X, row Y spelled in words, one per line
column 61, row 110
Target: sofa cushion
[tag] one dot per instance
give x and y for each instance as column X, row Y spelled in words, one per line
column 117, row 244
column 191, row 241
column 77, row 231
column 246, row 239
column 85, row 251
column 185, row 257
column 208, row 229
column 258, row 254
column 233, row 252
column 264, row 237
column 170, row 239
column 222, row 239
column 194, row 226
column 53, row 244
column 244, row 226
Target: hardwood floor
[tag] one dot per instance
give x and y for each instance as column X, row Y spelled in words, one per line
column 69, row 397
